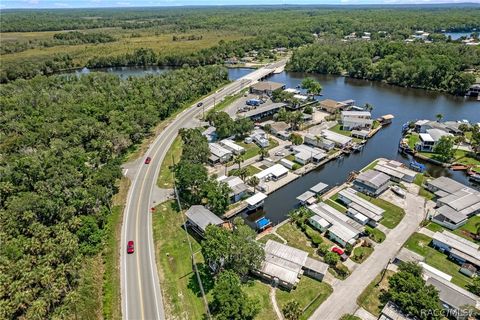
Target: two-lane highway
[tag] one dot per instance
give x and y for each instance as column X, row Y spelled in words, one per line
column 141, row 294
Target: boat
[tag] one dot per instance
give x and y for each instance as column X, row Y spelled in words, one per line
column 399, row 191
column 459, row 167
column 357, row 148
column 414, row 165
column 262, row 223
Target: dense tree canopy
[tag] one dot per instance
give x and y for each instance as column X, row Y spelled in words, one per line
column 436, row 66
column 62, row 140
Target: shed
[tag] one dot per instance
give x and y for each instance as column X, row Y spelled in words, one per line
column 305, row 196
column 256, row 200
column 319, row 188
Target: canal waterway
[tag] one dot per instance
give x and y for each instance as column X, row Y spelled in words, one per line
column 404, row 103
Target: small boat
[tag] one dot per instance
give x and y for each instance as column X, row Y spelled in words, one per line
column 263, row 223
column 399, row 191
column 475, row 178
column 459, row 167
column 357, row 148
column 414, row 165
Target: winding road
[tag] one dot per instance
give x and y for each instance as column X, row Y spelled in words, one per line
column 140, row 285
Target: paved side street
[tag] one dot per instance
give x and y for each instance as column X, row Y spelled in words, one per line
column 345, row 293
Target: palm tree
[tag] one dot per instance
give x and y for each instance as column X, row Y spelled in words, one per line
column 459, row 140
column 263, row 153
column 439, row 117
column 238, row 160
column 292, row 310
column 254, row 181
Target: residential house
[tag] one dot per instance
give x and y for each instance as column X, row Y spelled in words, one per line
column 307, row 198
column 318, row 141
column 430, row 138
column 266, row 87
column 199, row 218
column 332, row 106
column 218, row 154
column 287, row 163
column 266, row 110
column 210, row 133
column 452, row 297
column 458, row 249
column 392, row 312
column 278, row 127
column 260, row 138
column 340, row 140
column 395, row 170
column 275, row 172
column 421, row 126
column 305, row 154
column 358, row 207
column 283, row 265
column 372, row 182
column 232, row 146
column 352, row 120
column 238, row 188
column 455, row 202
column 319, row 188
column 341, row 228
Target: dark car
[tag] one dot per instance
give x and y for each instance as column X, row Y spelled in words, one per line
column 130, row 247
column 147, row 160
column 199, row 104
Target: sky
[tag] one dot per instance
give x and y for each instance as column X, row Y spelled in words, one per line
column 35, row 4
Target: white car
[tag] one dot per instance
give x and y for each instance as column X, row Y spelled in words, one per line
column 280, row 154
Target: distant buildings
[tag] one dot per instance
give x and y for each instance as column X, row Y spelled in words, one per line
column 455, row 202
column 332, row 106
column 352, row 120
column 305, row 154
column 266, row 87
column 260, row 138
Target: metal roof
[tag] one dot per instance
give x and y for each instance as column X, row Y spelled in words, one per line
column 217, row 150
column 336, row 137
column 305, row 196
column 267, row 85
column 319, row 187
column 375, row 178
column 256, row 198
column 262, row 109
column 315, row 265
column 202, row 217
column 276, row 170
column 468, row 248
column 452, row 294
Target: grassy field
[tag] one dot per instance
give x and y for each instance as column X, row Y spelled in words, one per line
column 260, row 291
column 370, row 166
column 309, row 294
column 334, row 204
column 165, row 177
column 296, row 238
column 464, row 231
column 270, row 236
column 419, row 243
column 376, row 235
column 369, row 299
column 179, row 286
column 146, row 38
column 361, row 254
column 413, row 138
column 419, row 180
column 393, row 214
column 252, row 149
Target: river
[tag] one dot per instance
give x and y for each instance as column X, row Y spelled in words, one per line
column 404, row 103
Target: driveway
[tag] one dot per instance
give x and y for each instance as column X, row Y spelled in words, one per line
column 345, row 293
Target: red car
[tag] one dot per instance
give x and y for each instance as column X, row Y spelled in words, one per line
column 130, row 248
column 147, row 160
column 340, row 252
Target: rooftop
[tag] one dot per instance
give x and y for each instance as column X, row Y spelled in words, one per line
column 392, row 312
column 461, row 245
column 263, row 109
column 256, row 198
column 365, row 207
column 336, row 137
column 452, row 294
column 305, row 196
column 267, row 85
column 202, row 217
column 319, row 187
column 356, row 114
column 276, row 170
column 373, row 177
column 217, row 150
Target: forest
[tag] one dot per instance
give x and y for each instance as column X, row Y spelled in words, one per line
column 62, row 141
column 434, row 66
column 245, row 28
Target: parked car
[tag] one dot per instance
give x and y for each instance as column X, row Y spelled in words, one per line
column 399, row 191
column 280, row 153
column 130, row 247
column 340, row 252
column 199, row 104
column 147, row 160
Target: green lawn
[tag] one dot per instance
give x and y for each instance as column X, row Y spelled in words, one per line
column 361, row 254
column 260, row 292
column 309, row 293
column 419, row 243
column 413, row 138
column 467, row 158
column 296, row 238
column 180, row 288
column 270, row 236
column 419, row 181
column 393, row 214
column 369, row 299
column 251, row 170
column 370, row 166
column 165, row 177
column 336, row 205
column 252, row 149
column 375, row 234
column 337, row 129
column 464, row 231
